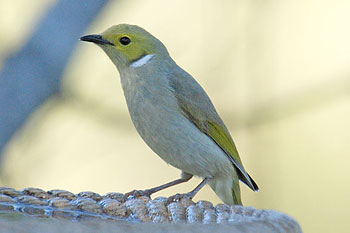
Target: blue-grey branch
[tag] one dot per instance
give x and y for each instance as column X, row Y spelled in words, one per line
column 33, row 74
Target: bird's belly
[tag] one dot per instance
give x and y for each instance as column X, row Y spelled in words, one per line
column 178, row 141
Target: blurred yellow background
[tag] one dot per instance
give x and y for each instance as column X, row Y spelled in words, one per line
column 277, row 71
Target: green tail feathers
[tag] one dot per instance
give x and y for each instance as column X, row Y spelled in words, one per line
column 227, row 189
column 236, row 193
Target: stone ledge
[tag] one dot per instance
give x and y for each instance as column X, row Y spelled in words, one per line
column 32, row 206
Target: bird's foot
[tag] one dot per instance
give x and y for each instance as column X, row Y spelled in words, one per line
column 177, row 197
column 137, row 193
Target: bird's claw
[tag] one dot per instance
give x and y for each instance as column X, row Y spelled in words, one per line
column 136, row 193
column 177, row 197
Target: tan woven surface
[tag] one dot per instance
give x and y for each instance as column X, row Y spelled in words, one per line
column 88, row 206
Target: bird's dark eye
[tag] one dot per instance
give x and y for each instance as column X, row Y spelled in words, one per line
column 125, row 40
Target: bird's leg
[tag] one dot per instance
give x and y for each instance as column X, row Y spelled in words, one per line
column 191, row 194
column 148, row 192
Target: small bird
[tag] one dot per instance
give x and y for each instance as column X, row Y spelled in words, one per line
column 173, row 114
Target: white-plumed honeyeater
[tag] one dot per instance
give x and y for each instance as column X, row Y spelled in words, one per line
column 173, row 114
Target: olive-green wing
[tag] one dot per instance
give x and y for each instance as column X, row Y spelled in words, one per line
column 222, row 138
column 197, row 108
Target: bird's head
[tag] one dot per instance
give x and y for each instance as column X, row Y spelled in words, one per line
column 127, row 44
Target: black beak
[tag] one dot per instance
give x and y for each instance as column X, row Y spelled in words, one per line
column 97, row 39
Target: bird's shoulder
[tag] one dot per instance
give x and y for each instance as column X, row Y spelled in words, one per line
column 196, row 106
column 191, row 95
